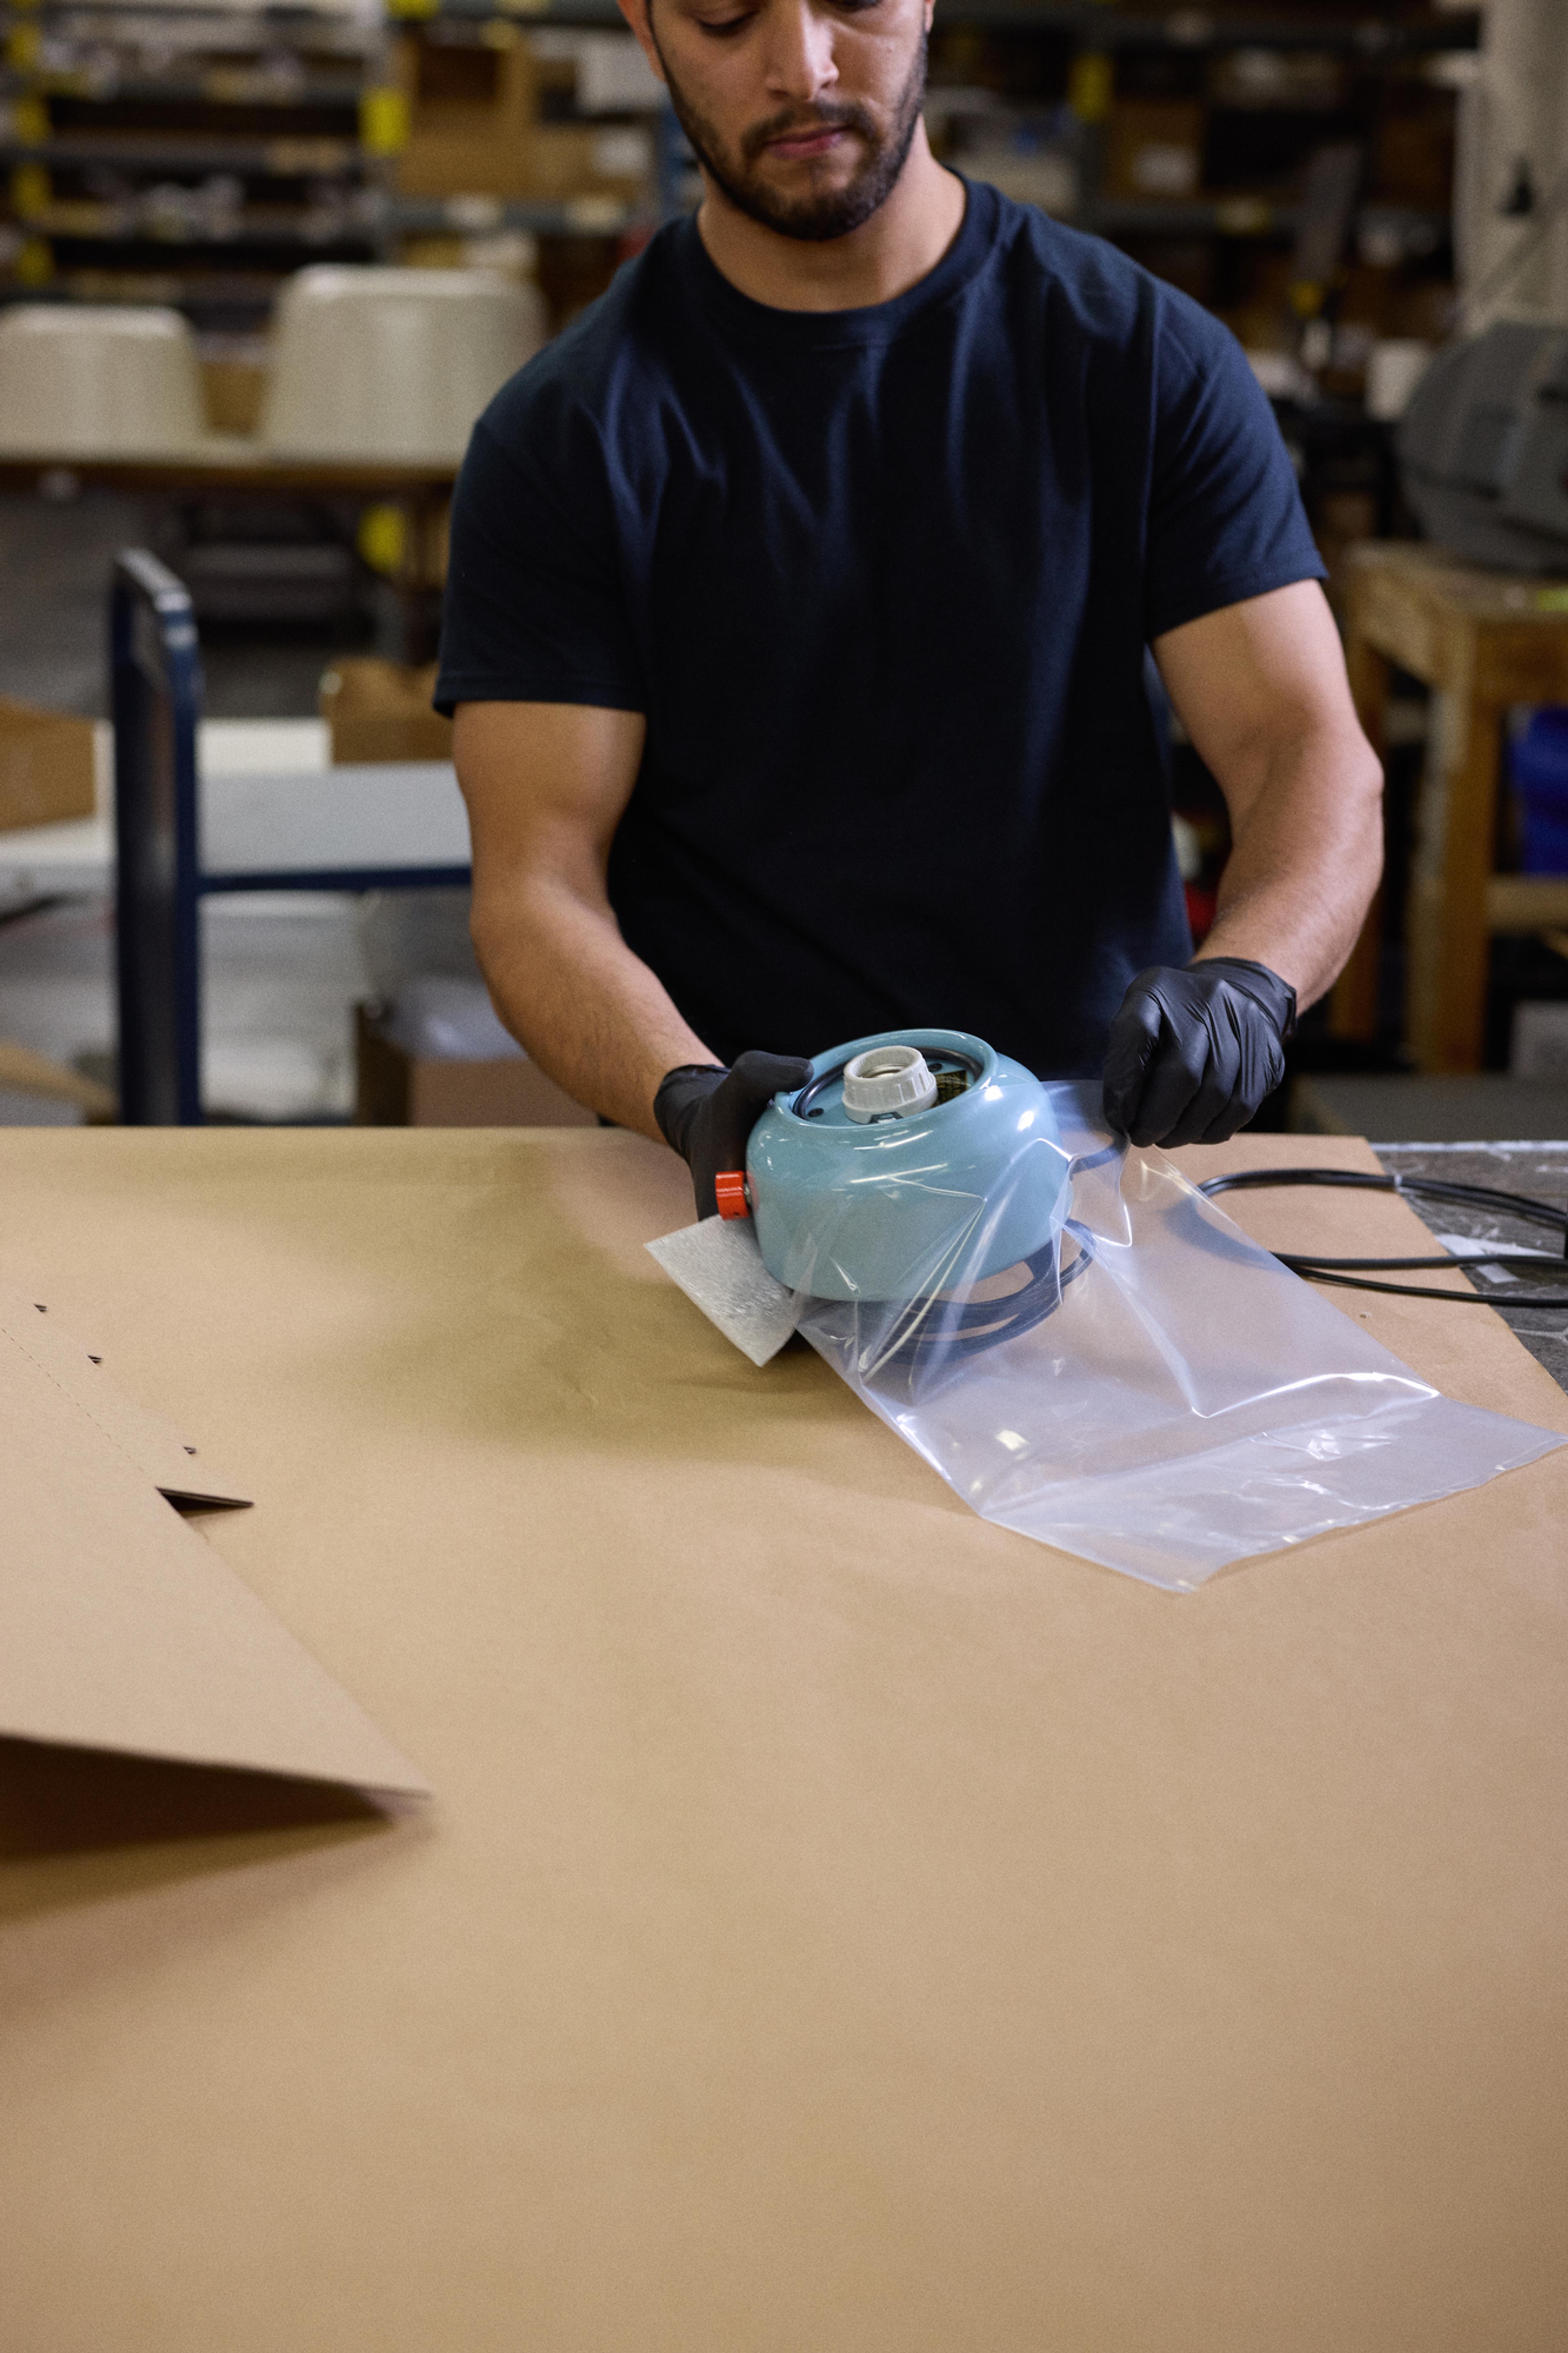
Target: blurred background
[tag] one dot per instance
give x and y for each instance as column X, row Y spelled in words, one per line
column 260, row 269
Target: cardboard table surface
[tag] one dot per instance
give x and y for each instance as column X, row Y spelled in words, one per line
column 841, row 1924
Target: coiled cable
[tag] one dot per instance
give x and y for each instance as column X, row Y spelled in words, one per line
column 1351, row 1273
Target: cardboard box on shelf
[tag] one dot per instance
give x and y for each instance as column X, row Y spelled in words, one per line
column 1412, row 156
column 544, row 163
column 397, row 1089
column 464, row 97
column 46, row 773
column 475, row 129
column 232, row 392
column 563, row 160
column 381, row 710
column 1153, row 150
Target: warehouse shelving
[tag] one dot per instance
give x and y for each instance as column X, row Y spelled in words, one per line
column 198, row 156
column 1094, row 24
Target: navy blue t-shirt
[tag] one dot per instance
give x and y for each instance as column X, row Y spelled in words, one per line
column 882, row 582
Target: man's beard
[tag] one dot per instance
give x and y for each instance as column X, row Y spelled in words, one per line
column 814, row 219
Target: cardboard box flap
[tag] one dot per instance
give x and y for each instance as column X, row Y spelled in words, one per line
column 377, row 710
column 178, row 1468
column 48, row 765
column 35, row 1074
column 121, row 1629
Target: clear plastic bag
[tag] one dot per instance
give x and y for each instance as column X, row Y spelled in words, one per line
column 1151, row 1389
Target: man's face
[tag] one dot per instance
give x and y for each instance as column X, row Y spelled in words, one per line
column 801, row 110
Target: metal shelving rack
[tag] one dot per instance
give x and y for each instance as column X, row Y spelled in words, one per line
column 313, row 181
column 196, row 153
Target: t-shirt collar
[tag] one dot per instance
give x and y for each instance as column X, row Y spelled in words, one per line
column 876, row 323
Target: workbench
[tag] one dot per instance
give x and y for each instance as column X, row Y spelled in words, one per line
column 1483, row 641
column 181, row 836
column 841, row 1924
column 234, row 468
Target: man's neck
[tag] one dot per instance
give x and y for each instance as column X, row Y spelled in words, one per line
column 900, row 244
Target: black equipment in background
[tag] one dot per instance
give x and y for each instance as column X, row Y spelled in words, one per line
column 1483, row 449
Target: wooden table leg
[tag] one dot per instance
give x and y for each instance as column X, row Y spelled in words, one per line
column 1352, row 1002
column 1447, row 926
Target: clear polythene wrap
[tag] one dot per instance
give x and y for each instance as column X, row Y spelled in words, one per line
column 1153, row 1390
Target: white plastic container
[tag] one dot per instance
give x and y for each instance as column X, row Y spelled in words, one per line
column 1394, row 369
column 85, row 382
column 376, row 364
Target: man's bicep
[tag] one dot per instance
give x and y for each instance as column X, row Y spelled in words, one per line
column 1252, row 673
column 536, row 608
column 546, row 785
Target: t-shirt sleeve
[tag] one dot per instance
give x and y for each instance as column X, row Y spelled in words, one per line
column 1225, row 520
column 534, row 610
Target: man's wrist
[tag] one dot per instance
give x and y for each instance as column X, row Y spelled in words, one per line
column 679, row 1096
column 1260, row 981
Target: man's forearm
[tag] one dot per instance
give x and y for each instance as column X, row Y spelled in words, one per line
column 1307, row 856
column 587, row 1010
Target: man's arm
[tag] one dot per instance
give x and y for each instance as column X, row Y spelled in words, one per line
column 1261, row 689
column 546, row 785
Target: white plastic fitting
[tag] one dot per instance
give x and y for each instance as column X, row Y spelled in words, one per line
column 95, row 381
column 887, row 1082
column 372, row 363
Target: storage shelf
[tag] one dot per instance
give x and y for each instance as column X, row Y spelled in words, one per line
column 282, row 159
column 1095, row 26
column 468, row 216
column 523, row 13
column 1238, row 216
column 320, row 94
column 279, row 238
column 209, row 293
column 212, row 28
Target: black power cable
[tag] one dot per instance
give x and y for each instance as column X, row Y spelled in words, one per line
column 1339, row 1270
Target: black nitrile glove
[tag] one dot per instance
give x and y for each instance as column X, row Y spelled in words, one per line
column 1193, row 1052
column 708, row 1114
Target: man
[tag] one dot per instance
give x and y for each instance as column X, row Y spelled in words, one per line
column 796, row 634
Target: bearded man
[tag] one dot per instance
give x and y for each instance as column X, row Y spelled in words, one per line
column 798, row 630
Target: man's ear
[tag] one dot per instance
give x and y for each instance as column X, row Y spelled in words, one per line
column 636, row 14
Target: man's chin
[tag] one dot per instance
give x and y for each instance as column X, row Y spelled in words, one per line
column 812, row 203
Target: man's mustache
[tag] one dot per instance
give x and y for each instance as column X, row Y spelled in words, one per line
column 796, row 118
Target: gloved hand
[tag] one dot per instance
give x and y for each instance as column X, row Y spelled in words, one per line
column 707, row 1113
column 1193, row 1052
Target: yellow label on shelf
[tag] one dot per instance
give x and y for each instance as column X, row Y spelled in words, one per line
column 34, row 263
column 382, row 539
column 595, row 216
column 1242, row 216
column 413, row 8
column 1551, row 600
column 1090, row 84
column 29, row 122
column 23, row 43
column 31, row 193
column 383, row 121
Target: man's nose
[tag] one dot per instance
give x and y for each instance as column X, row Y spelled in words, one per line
column 799, row 55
